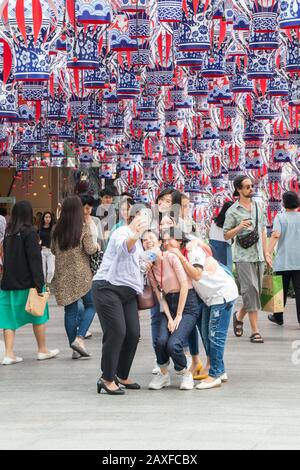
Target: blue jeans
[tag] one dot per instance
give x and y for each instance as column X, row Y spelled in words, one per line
column 156, row 317
column 78, row 319
column 222, row 252
column 194, row 336
column 215, row 323
column 172, row 345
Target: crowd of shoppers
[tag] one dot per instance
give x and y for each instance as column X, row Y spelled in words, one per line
column 193, row 284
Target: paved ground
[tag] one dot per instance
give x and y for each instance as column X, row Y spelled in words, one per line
column 54, row 405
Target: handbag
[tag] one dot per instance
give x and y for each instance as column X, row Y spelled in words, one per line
column 36, row 304
column 252, row 238
column 95, row 261
column 146, row 300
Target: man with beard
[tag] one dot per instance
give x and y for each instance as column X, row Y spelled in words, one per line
column 246, row 223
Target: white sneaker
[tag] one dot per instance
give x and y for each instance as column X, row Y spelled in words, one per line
column 160, row 381
column 208, row 386
column 187, row 382
column 8, row 361
column 75, row 355
column 49, row 355
column 224, row 378
column 156, row 369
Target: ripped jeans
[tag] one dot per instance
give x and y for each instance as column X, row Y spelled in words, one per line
column 215, row 321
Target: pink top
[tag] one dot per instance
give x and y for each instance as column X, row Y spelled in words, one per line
column 173, row 274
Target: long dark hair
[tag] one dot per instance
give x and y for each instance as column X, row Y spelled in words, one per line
column 68, row 230
column 220, row 219
column 21, row 218
column 52, row 223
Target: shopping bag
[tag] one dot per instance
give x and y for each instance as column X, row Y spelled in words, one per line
column 272, row 298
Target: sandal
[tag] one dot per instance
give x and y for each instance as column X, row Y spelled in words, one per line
column 256, row 338
column 238, row 326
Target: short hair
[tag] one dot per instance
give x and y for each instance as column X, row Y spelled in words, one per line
column 165, row 192
column 109, row 191
column 87, row 200
column 291, row 200
column 3, row 211
column 238, row 183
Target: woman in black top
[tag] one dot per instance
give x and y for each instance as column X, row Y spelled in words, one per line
column 45, row 234
column 22, row 270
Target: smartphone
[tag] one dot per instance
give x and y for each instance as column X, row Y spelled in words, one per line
column 146, row 216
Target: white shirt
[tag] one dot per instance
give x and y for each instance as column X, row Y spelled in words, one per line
column 2, row 227
column 119, row 266
column 217, row 233
column 215, row 286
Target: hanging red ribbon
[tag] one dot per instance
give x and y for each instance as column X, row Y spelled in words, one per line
column 7, row 60
column 38, row 110
column 160, row 47
column 20, row 17
column 70, row 4
column 37, row 17
column 168, row 47
column 223, row 28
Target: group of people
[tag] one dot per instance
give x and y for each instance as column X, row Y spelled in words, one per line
column 153, row 255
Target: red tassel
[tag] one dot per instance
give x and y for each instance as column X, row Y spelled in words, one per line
column 168, row 47
column 37, row 17
column 7, row 60
column 170, row 172
column 185, row 7
column 70, row 4
column 195, row 6
column 160, row 47
column 76, row 80
column 263, row 84
column 134, row 176
column 20, row 16
column 38, row 110
column 223, row 28
column 206, row 5
column 249, row 104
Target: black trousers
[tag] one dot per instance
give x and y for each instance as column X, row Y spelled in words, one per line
column 287, row 277
column 118, row 314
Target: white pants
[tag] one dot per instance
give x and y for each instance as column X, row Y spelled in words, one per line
column 48, row 264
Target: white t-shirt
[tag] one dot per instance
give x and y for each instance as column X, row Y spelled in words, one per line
column 217, row 233
column 215, row 286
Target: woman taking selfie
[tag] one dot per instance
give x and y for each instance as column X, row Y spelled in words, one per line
column 115, row 290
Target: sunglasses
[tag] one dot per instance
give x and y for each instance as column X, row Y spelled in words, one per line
column 249, row 186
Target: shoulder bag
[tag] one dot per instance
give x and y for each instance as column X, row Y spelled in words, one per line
column 252, row 238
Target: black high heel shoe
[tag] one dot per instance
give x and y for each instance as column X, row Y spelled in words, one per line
column 133, row 386
column 102, row 386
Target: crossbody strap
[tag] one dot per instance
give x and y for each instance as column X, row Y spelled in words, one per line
column 256, row 215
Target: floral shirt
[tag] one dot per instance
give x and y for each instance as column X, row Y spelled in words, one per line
column 234, row 216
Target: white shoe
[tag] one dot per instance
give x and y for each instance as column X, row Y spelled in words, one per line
column 8, row 361
column 224, row 378
column 156, row 369
column 160, row 381
column 76, row 355
column 207, row 386
column 49, row 355
column 187, row 382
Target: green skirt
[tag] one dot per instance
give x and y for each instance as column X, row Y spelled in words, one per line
column 12, row 310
